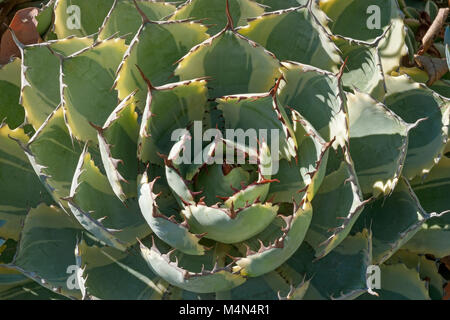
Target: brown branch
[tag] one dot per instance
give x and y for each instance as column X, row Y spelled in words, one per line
column 435, row 67
column 434, row 30
column 24, row 26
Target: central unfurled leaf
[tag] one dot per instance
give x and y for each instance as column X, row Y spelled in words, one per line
column 400, row 283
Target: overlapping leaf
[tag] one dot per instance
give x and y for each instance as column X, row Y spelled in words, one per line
column 10, row 109
column 41, row 76
column 415, row 103
column 16, row 179
column 173, row 40
column 123, row 18
column 369, row 19
column 212, row 12
column 86, row 86
column 294, row 34
column 244, row 65
column 47, row 248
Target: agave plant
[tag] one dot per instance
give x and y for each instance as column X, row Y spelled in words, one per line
column 108, row 192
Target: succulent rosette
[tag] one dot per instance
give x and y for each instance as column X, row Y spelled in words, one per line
column 220, row 149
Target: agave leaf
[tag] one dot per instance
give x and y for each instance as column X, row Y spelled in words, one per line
column 41, row 76
column 432, row 192
column 175, row 293
column 213, row 12
column 411, row 43
column 378, row 143
column 8, row 249
column 235, row 64
column 53, row 155
column 441, row 87
column 123, row 18
column 45, row 17
column 173, row 40
column 118, row 144
column 10, row 109
column 86, row 80
column 15, row 286
column 393, row 221
column 357, row 11
column 428, row 270
column 253, row 189
column 214, row 183
column 337, row 205
column 46, row 248
column 311, row 161
column 285, row 33
column 90, row 16
column 10, row 277
column 432, row 9
column 17, row 179
column 365, row 16
column 167, row 109
column 281, row 4
column 284, row 283
column 253, row 193
column 200, row 274
column 362, row 70
column 392, row 48
column 413, row 102
column 272, row 247
column 323, row 107
column 447, row 44
column 96, row 207
column 431, row 239
column 349, row 261
column 178, row 185
column 153, row 208
column 413, row 10
column 398, row 282
column 433, row 189
column 433, row 195
column 111, row 274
